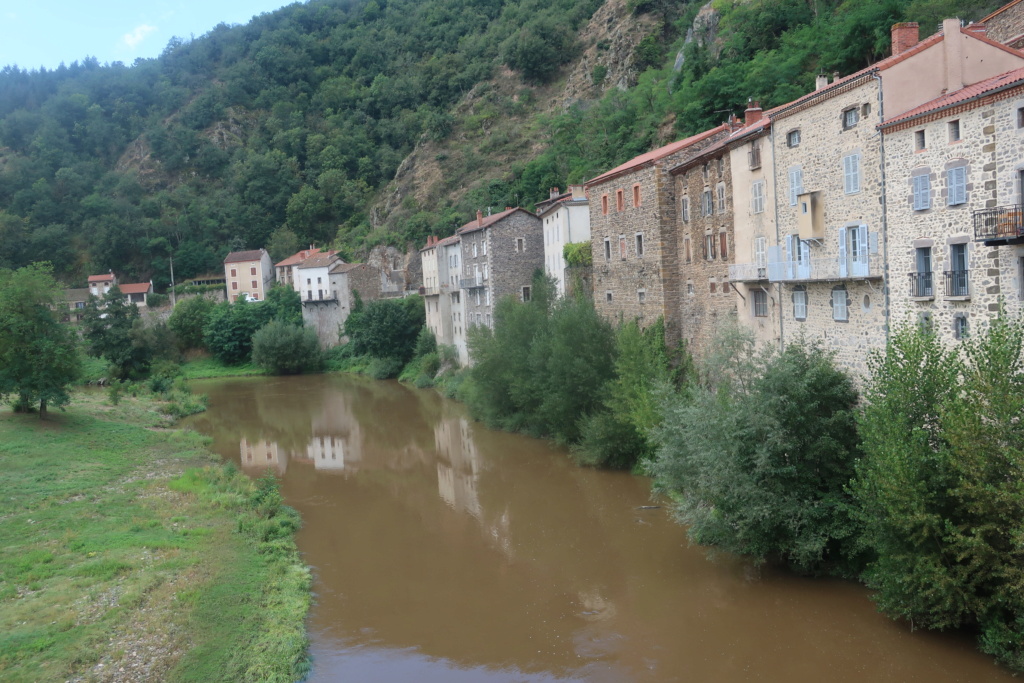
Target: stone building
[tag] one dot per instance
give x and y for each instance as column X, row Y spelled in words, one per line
column 248, row 274
column 436, row 291
column 954, row 169
column 754, row 231
column 829, row 158
column 499, row 255
column 451, row 253
column 633, row 235
column 566, row 219
column 327, row 314
column 1006, row 24
column 286, row 272
column 312, row 277
column 704, row 241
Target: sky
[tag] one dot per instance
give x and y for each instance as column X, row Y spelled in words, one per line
column 44, row 33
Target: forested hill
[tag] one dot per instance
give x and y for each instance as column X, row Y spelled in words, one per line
column 387, row 120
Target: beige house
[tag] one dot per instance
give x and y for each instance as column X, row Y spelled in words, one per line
column 248, row 274
column 440, row 280
column 954, row 169
column 566, row 219
column 101, row 284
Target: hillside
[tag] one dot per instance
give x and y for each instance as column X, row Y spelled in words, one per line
column 377, row 121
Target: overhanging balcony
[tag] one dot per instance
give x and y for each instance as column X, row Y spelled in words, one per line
column 748, row 272
column 471, row 282
column 1001, row 225
column 867, row 267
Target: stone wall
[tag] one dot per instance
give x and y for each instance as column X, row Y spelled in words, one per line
column 1007, row 24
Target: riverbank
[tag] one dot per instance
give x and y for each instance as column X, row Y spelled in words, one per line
column 130, row 554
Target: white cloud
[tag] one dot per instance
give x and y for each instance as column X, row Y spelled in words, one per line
column 138, row 34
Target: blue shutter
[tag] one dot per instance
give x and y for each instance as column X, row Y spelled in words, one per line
column 957, row 181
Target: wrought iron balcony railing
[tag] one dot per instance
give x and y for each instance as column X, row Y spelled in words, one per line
column 958, row 283
column 922, row 285
column 1000, row 223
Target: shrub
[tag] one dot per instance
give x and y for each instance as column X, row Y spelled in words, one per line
column 386, row 328
column 384, row 368
column 188, row 319
column 230, row 327
column 578, row 254
column 284, row 349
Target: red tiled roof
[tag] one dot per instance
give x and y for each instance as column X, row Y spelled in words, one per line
column 300, row 256
column 320, row 260
column 655, row 155
column 451, row 239
column 474, row 224
column 239, row 256
column 135, row 288
column 971, row 92
column 106, row 277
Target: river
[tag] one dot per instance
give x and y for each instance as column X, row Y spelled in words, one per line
column 446, row 552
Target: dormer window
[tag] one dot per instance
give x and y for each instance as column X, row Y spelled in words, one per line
column 851, row 117
column 793, row 138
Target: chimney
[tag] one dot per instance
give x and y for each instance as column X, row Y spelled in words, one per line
column 953, row 47
column 479, row 217
column 821, row 81
column 508, row 208
column 752, row 113
column 553, row 192
column 904, row 36
column 578, row 192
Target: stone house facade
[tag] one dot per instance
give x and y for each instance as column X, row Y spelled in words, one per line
column 499, row 255
column 705, row 244
column 248, row 274
column 101, row 284
column 566, row 219
column 436, row 291
column 758, row 301
column 451, row 253
column 1006, row 24
column 327, row 315
column 954, row 168
column 633, row 226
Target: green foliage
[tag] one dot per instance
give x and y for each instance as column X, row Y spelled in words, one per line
column 598, row 74
column 38, row 356
column 285, row 304
column 189, row 318
column 939, row 487
column 543, row 366
column 281, row 348
column 757, row 455
column 386, row 328
column 115, row 332
column 230, row 327
column 578, row 254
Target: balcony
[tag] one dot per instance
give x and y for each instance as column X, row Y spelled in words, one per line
column 869, row 267
column 1001, row 225
column 748, row 272
column 922, row 286
column 320, row 296
column 958, row 283
column 471, row 282
column 429, row 291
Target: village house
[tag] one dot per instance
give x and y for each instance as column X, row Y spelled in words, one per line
column 137, row 292
column 73, row 308
column 286, row 272
column 248, row 274
column 1006, row 24
column 753, row 210
column 633, row 225
column 955, row 171
column 566, row 220
column 312, row 278
column 101, row 284
column 500, row 254
column 437, row 288
column 829, row 157
column 450, row 250
column 704, row 241
column 342, row 281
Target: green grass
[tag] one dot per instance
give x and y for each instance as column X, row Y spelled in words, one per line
column 115, row 537
column 205, row 368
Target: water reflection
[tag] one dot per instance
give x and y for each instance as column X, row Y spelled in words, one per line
column 443, row 551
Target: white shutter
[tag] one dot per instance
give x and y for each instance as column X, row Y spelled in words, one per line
column 842, row 252
column 760, row 243
column 775, row 263
column 851, row 173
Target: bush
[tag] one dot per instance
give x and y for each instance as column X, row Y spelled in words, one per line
column 759, row 453
column 188, row 319
column 230, row 327
column 384, row 368
column 578, row 254
column 386, row 328
column 284, row 349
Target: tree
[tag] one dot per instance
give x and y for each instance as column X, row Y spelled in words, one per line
column 38, row 358
column 284, row 304
column 107, row 327
column 285, row 349
column 230, row 327
column 759, row 453
column 940, row 488
column 188, row 320
column 386, row 328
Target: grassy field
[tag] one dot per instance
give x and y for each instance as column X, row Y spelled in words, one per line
column 128, row 554
column 206, row 367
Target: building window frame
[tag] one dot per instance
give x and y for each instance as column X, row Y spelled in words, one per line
column 639, row 244
column 636, row 195
column 850, row 117
column 793, row 138
column 757, row 196
column 956, row 185
column 620, row 202
column 684, row 208
column 840, row 304
column 800, row 303
column 851, row 173
column 759, row 303
column 921, row 190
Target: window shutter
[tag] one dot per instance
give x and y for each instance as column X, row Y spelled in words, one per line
column 791, row 241
column 851, row 173
column 862, row 244
column 842, row 252
column 796, row 181
column 957, row 180
column 759, row 251
column 922, row 193
column 775, row 263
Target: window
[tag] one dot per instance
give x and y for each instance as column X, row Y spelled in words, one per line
column 761, row 252
column 956, row 181
column 254, row 285
column 954, row 130
column 720, row 163
column 720, row 190
column 636, row 196
column 641, row 295
column 840, row 311
column 619, row 203
column 709, row 247
column 255, row 296
column 607, row 249
column 760, row 303
column 608, row 297
column 796, row 184
column 604, row 205
column 754, row 156
column 526, row 293
column 921, row 281
column 704, row 169
column 757, row 196
column 234, row 273
column 1020, row 117
column 639, row 244
column 707, row 204
column 483, row 247
column 922, row 192
column 919, row 140
column 684, row 208
column 723, row 245
column 485, row 271
column 234, row 285
column 800, row 303
column 851, row 117
column 957, row 283
column 960, row 326
column 520, row 245
column 851, row 173
column 689, row 288
column 725, row 288
column 474, row 250
column 687, row 251
column 793, row 138
column 622, row 247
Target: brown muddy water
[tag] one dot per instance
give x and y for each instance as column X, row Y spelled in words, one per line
column 446, row 552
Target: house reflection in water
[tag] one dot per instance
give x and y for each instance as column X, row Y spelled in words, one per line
column 458, row 465
column 261, row 455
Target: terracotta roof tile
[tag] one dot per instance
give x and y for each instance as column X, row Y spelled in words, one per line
column 979, row 89
column 239, row 256
column 320, row 260
column 474, row 225
column 106, row 277
column 135, row 288
column 655, row 155
column 300, row 256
